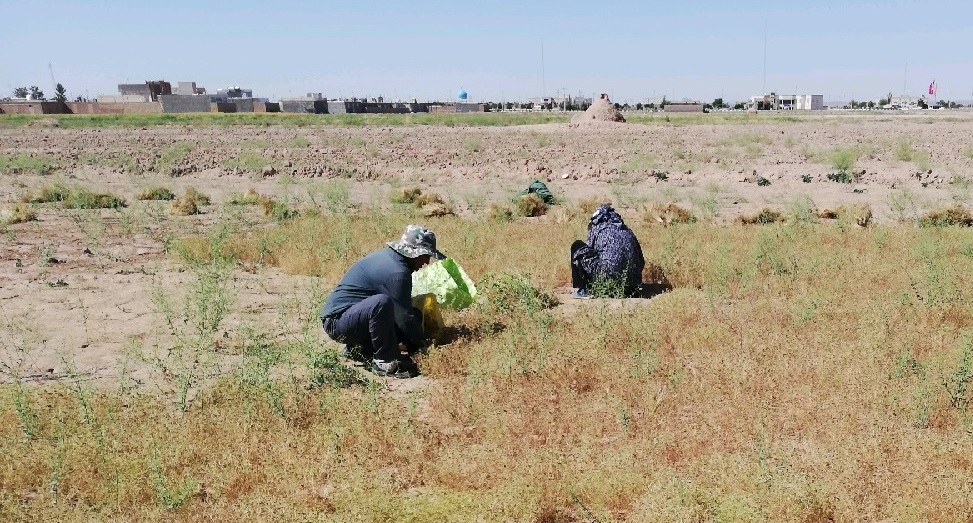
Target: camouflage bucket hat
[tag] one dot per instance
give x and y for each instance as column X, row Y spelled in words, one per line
column 417, row 241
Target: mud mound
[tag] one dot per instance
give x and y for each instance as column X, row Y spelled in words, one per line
column 600, row 111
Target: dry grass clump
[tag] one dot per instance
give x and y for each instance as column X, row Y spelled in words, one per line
column 406, row 195
column 957, row 216
column 251, row 197
column 859, row 213
column 276, row 209
column 437, row 209
column 156, row 193
column 588, row 205
column 764, row 217
column 19, row 213
column 415, row 196
column 500, row 213
column 189, row 203
column 429, row 204
column 562, row 214
column 531, row 205
column 668, row 214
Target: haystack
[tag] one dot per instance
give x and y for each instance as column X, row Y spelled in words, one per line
column 600, row 111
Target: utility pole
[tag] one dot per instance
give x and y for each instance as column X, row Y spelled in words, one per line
column 543, row 82
column 53, row 81
column 765, row 57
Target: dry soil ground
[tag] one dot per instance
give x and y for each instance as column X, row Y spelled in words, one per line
column 80, row 283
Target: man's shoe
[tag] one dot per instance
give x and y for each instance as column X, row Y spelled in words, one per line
column 581, row 294
column 394, row 369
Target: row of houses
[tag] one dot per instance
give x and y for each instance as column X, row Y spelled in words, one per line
column 158, row 96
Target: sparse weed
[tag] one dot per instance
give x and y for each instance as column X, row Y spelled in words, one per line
column 171, row 156
column 958, row 383
column 639, row 163
column 298, row 142
column 904, row 205
column 26, row 163
column 170, row 497
column 248, row 162
column 841, row 159
column 473, row 145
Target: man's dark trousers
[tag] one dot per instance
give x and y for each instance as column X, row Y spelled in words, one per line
column 369, row 323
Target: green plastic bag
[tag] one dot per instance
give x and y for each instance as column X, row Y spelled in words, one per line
column 448, row 281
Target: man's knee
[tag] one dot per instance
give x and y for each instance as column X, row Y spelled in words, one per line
column 381, row 305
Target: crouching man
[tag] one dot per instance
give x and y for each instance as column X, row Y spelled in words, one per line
column 371, row 307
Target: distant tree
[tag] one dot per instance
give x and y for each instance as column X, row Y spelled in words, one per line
column 60, row 93
column 21, row 92
column 739, row 106
column 650, row 106
column 942, row 103
column 883, row 102
column 664, row 103
column 719, row 104
column 638, row 106
column 871, row 104
column 36, row 93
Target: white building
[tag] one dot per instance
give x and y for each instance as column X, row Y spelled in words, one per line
column 787, row 102
column 560, row 102
column 905, row 101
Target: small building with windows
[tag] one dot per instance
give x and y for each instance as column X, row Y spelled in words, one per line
column 787, row 102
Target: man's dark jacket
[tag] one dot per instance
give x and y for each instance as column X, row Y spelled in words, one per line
column 382, row 272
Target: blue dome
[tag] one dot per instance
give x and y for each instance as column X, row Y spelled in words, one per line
column 462, row 95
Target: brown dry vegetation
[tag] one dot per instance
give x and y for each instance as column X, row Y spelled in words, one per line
column 805, row 370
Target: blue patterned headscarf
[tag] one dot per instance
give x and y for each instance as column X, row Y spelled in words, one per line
column 605, row 214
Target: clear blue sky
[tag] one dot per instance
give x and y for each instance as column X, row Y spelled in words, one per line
column 428, row 50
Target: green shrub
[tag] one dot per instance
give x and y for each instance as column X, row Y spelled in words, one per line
column 75, row 198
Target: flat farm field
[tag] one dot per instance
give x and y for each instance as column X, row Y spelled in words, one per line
column 803, row 350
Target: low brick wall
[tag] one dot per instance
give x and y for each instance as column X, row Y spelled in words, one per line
column 114, row 108
column 683, row 108
column 223, row 107
column 34, row 107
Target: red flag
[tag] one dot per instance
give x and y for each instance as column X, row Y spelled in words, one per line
column 932, row 87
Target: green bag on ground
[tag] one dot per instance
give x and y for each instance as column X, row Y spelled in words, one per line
column 448, row 281
column 540, row 189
